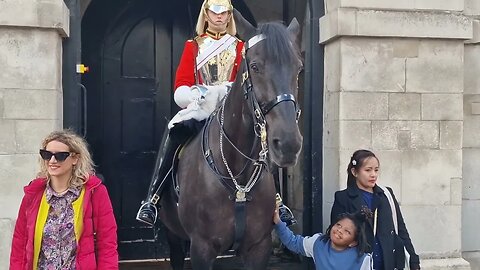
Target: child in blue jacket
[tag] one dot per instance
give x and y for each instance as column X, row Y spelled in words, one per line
column 342, row 247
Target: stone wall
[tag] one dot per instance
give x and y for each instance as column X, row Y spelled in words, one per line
column 394, row 82
column 471, row 141
column 30, row 97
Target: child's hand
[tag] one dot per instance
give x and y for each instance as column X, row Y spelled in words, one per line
column 276, row 216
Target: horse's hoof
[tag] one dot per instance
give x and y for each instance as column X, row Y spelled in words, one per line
column 147, row 214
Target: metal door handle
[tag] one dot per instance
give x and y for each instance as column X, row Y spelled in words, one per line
column 84, row 109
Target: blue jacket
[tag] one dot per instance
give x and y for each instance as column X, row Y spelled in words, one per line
column 324, row 256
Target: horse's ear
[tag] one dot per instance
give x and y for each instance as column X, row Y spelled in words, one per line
column 294, row 30
column 244, row 29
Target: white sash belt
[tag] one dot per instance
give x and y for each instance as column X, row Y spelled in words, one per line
column 214, row 49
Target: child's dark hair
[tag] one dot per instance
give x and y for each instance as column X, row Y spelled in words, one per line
column 356, row 161
column 359, row 219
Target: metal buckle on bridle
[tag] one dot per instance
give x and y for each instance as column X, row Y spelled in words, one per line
column 298, row 114
column 244, row 76
column 258, row 114
column 240, row 196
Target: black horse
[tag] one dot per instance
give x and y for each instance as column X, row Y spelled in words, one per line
column 226, row 192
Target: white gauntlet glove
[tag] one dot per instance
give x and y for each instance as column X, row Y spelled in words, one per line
column 184, row 95
column 197, row 102
column 198, row 93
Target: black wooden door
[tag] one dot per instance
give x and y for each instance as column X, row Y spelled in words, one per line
column 136, row 78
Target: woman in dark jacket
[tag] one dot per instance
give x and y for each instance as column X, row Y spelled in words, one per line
column 387, row 246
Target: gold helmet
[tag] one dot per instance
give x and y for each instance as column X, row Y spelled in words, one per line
column 216, row 6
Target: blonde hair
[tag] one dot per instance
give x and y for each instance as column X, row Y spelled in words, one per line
column 77, row 145
column 202, row 22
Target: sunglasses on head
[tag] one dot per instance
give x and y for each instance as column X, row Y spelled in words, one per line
column 59, row 156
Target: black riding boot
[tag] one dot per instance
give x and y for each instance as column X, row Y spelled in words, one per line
column 148, row 211
column 284, row 212
column 172, row 139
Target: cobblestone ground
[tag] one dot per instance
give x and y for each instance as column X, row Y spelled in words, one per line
column 276, row 263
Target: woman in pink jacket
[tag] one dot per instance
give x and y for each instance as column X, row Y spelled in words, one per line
column 66, row 219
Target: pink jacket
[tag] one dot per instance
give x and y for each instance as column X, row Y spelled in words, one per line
column 90, row 256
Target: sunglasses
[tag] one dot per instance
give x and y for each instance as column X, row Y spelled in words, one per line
column 59, row 156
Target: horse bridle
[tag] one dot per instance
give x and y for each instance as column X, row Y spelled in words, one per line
column 240, row 193
column 260, row 123
column 260, row 110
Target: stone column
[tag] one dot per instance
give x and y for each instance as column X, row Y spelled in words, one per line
column 394, row 84
column 30, row 97
column 471, row 141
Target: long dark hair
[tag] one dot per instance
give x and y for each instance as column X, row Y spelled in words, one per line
column 359, row 219
column 356, row 161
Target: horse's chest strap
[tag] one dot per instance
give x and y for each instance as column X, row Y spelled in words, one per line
column 241, row 199
column 240, row 218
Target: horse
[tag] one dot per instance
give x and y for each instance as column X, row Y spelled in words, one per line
column 226, row 192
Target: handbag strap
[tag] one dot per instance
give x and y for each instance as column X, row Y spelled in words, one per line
column 392, row 206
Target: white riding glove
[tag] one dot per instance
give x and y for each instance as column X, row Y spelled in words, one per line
column 184, row 95
column 198, row 93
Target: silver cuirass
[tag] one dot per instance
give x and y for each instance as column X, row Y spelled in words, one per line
column 219, row 68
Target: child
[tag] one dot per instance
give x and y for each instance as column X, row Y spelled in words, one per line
column 343, row 245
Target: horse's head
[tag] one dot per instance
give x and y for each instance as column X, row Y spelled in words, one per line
column 273, row 63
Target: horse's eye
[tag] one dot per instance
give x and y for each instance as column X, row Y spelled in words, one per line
column 254, row 67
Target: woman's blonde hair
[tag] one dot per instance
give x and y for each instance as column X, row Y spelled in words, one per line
column 77, row 145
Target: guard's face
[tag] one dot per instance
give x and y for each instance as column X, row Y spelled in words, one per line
column 218, row 22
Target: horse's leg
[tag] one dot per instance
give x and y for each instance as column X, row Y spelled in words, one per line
column 177, row 250
column 256, row 258
column 202, row 255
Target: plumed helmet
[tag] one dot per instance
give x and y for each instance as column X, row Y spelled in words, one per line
column 216, row 6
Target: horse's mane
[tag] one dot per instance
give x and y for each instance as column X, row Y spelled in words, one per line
column 278, row 44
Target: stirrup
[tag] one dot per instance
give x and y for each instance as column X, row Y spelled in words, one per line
column 286, row 215
column 145, row 210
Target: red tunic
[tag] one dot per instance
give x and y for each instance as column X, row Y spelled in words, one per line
column 186, row 68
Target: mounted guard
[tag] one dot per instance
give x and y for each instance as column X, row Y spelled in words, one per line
column 207, row 69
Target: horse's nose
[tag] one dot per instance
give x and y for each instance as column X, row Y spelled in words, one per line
column 287, row 148
column 287, row 145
